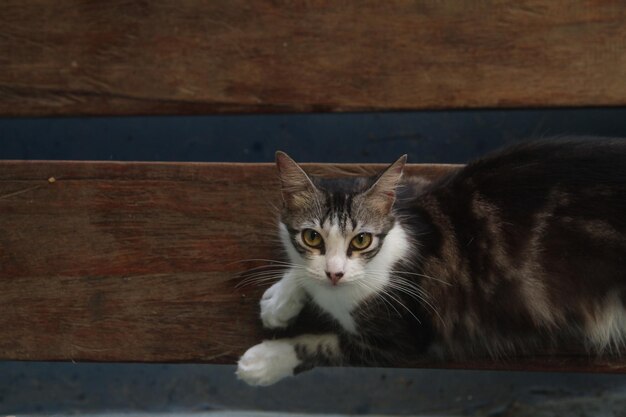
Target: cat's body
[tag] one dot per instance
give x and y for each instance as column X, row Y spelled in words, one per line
column 525, row 248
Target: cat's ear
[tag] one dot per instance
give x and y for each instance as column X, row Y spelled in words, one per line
column 296, row 187
column 382, row 194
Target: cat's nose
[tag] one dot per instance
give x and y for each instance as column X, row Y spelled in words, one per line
column 334, row 276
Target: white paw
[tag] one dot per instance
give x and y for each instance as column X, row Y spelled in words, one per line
column 267, row 363
column 280, row 304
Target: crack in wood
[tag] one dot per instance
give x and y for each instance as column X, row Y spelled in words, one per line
column 25, row 190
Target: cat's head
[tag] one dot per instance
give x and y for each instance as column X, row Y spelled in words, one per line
column 336, row 228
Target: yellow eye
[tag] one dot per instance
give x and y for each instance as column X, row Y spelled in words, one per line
column 312, row 238
column 361, row 241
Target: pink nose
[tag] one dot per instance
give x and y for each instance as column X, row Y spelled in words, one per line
column 334, row 276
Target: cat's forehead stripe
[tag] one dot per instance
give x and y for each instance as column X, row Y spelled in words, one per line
column 338, row 210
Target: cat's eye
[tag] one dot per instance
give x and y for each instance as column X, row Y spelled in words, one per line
column 311, row 238
column 361, row 241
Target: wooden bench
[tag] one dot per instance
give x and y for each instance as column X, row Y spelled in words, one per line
column 110, row 261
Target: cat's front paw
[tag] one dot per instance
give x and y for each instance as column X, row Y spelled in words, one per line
column 280, row 304
column 267, row 363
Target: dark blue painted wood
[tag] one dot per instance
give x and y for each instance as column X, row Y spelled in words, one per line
column 55, row 388
column 444, row 137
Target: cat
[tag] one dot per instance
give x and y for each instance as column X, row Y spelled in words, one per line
column 522, row 249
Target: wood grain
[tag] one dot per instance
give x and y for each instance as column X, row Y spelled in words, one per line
column 76, row 57
column 133, row 261
column 109, row 261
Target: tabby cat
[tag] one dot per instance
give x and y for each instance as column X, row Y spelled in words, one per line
column 522, row 249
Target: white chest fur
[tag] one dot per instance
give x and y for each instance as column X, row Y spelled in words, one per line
column 339, row 302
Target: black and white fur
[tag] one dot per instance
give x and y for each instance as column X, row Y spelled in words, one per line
column 520, row 250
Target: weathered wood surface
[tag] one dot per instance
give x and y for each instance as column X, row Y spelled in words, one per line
column 132, row 261
column 140, row 262
column 74, row 57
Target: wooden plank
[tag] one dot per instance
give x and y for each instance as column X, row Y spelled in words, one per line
column 110, row 261
column 181, row 57
column 132, row 261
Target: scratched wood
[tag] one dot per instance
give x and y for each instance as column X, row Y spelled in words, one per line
column 109, row 261
column 77, row 57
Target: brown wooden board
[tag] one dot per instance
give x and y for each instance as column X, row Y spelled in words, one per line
column 116, row 57
column 109, row 261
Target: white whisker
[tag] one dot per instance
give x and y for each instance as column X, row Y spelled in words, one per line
column 396, row 272
column 383, row 292
column 382, row 298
